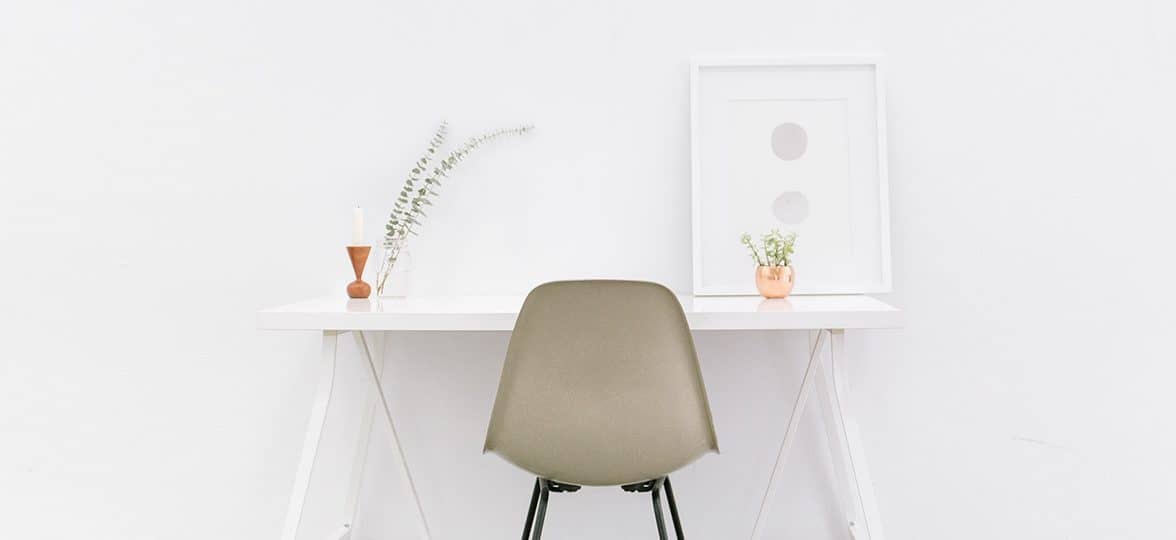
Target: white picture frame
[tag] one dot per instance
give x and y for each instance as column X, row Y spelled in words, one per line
column 844, row 233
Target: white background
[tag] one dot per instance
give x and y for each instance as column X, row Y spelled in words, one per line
column 168, row 168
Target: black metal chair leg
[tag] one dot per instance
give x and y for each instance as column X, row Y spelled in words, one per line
column 543, row 494
column 674, row 510
column 657, row 510
column 531, row 510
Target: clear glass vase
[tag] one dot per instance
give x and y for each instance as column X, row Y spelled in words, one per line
column 395, row 269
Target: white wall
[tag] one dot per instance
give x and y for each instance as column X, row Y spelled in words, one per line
column 168, row 168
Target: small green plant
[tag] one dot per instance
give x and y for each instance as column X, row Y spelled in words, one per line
column 777, row 248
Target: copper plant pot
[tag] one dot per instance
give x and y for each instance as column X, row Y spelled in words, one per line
column 774, row 281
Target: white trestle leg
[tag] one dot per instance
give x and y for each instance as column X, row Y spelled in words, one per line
column 314, row 431
column 806, row 385
column 852, row 489
column 832, row 421
column 397, row 450
column 359, row 462
column 856, row 492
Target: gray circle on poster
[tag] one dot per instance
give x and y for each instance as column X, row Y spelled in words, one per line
column 789, row 141
column 791, row 207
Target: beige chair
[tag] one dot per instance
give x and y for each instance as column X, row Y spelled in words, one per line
column 601, row 387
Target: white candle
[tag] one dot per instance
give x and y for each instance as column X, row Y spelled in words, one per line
column 357, row 227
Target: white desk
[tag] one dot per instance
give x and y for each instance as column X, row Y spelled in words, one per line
column 826, row 317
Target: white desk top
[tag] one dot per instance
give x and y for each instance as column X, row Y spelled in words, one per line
column 498, row 313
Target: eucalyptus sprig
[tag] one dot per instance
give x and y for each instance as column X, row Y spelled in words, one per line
column 421, row 186
column 777, row 248
column 415, row 195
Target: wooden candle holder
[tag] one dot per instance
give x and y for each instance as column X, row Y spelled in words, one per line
column 359, row 257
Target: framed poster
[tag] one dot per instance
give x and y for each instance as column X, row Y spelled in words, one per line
column 799, row 145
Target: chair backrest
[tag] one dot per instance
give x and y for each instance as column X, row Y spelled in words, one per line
column 601, row 386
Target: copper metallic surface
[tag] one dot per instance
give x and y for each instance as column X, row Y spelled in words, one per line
column 774, row 281
column 359, row 257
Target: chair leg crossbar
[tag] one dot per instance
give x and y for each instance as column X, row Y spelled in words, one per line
column 543, row 487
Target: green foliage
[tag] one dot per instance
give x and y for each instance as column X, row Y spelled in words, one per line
column 421, row 186
column 776, row 248
column 423, row 182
